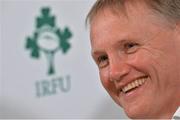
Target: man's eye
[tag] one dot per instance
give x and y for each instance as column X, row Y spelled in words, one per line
column 102, row 61
column 131, row 47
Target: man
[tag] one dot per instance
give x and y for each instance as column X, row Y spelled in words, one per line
column 136, row 46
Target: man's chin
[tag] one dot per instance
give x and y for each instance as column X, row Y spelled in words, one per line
column 136, row 112
column 132, row 111
column 134, row 115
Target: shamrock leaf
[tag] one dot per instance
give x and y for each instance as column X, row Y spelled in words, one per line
column 64, row 37
column 32, row 45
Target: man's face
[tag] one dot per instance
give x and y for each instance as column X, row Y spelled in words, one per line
column 137, row 59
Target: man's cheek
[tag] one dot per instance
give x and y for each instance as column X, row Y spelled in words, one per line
column 104, row 77
column 107, row 84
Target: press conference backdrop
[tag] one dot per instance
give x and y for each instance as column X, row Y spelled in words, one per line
column 46, row 66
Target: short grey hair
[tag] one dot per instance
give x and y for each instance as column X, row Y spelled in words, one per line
column 170, row 9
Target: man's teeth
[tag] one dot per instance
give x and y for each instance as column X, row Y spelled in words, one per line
column 134, row 84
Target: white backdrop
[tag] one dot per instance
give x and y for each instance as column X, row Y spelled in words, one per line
column 24, row 81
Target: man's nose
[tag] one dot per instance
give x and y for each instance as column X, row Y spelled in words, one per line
column 118, row 70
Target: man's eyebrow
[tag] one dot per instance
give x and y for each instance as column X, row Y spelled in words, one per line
column 95, row 53
column 121, row 42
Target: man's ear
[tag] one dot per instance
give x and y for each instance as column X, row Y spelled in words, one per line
column 177, row 41
column 177, row 45
column 177, row 28
column 177, row 33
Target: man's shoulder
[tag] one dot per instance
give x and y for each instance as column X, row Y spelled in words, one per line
column 176, row 115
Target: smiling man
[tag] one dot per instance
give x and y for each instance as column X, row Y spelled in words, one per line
column 136, row 46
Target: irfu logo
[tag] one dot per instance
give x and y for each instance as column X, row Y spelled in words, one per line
column 48, row 39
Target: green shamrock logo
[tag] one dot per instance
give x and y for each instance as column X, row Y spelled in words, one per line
column 48, row 39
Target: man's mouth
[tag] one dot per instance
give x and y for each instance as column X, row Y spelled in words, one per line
column 134, row 84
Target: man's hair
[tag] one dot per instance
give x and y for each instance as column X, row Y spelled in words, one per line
column 170, row 9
